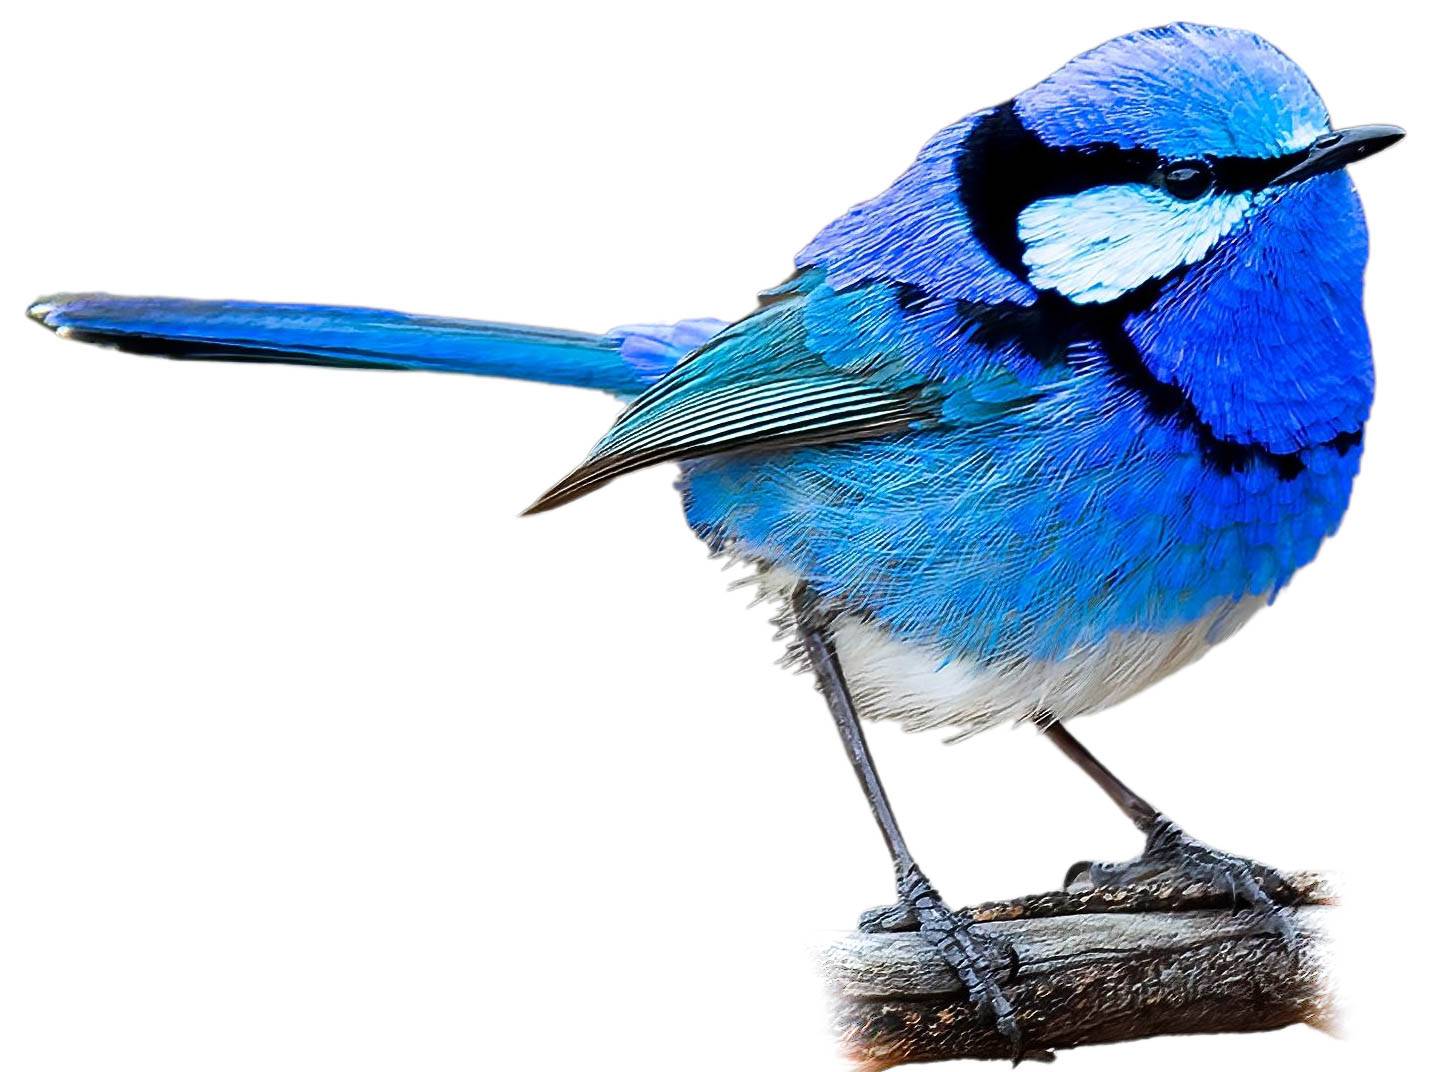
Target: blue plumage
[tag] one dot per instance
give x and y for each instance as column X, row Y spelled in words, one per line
column 1042, row 530
column 1267, row 335
column 1131, row 471
column 1057, row 502
column 1183, row 90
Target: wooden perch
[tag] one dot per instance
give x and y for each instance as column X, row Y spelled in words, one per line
column 1106, row 965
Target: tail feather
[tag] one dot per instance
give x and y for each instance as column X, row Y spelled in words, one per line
column 623, row 362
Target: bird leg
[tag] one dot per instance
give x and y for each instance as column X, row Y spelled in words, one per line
column 1170, row 853
column 976, row 962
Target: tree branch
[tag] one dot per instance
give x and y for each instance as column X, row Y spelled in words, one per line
column 1106, row 965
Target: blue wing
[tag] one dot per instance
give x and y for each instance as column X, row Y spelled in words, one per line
column 813, row 365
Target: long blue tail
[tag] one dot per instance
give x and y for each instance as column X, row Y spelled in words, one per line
column 624, row 361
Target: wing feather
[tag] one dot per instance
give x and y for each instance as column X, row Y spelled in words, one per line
column 778, row 414
column 771, row 382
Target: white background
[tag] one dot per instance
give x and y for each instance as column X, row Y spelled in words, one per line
column 313, row 755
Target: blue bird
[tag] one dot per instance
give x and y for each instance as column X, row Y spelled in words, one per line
column 1036, row 426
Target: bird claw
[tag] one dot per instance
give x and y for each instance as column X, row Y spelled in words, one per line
column 888, row 919
column 977, row 961
column 1171, row 854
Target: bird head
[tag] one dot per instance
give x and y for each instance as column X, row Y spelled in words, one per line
column 1179, row 193
column 1159, row 145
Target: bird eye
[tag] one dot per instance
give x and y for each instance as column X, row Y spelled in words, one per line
column 1186, row 179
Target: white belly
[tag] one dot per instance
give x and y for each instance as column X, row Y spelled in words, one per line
column 922, row 688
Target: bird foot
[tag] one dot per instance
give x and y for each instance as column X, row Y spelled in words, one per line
column 976, row 961
column 1171, row 854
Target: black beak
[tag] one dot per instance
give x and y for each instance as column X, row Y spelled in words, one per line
column 1332, row 151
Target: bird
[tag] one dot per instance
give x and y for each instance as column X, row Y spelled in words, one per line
column 1026, row 432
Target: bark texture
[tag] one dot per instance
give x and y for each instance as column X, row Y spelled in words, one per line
column 1106, row 965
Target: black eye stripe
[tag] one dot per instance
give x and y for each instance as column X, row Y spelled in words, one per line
column 1239, row 174
column 1004, row 167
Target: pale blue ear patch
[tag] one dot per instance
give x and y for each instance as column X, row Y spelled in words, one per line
column 1096, row 245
